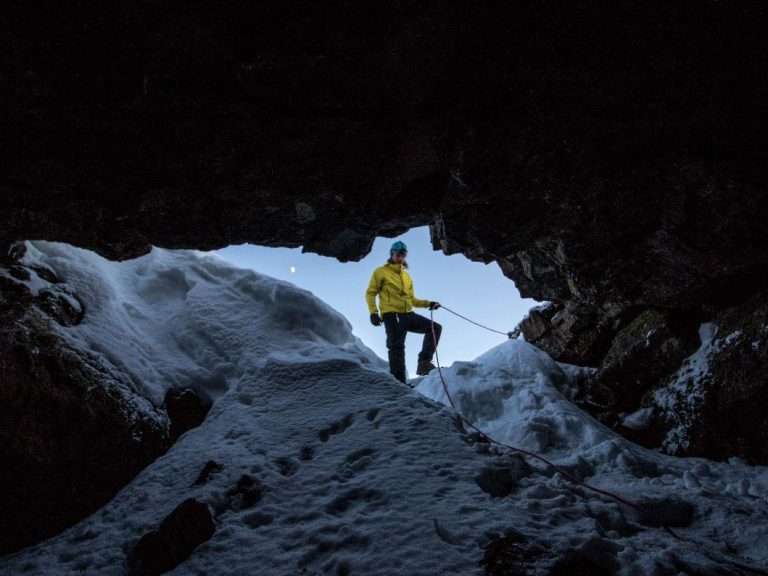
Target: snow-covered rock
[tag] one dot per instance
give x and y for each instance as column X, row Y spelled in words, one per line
column 314, row 460
column 72, row 432
column 715, row 403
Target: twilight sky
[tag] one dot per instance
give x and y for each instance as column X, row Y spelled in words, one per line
column 474, row 289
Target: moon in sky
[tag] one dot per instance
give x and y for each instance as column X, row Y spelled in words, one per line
column 293, row 269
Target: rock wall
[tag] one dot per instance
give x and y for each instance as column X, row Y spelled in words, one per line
column 714, row 405
column 73, row 431
column 610, row 159
column 595, row 152
column 70, row 438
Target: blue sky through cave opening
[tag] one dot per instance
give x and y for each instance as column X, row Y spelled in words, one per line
column 479, row 291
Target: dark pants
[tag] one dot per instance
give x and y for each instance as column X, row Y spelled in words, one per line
column 398, row 325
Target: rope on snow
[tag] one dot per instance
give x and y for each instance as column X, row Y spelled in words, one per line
column 564, row 473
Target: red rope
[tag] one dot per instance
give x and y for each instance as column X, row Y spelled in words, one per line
column 565, row 473
column 527, row 453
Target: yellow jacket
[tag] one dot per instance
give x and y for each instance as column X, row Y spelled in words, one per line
column 392, row 283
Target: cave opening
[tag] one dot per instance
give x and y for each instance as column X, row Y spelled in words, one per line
column 479, row 291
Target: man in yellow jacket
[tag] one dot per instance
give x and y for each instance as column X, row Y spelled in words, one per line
column 394, row 287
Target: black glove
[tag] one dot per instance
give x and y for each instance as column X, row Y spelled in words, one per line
column 375, row 319
column 434, row 305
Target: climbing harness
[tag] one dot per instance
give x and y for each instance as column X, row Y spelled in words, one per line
column 564, row 473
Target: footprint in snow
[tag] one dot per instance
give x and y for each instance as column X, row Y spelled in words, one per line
column 355, row 463
column 336, row 428
column 286, row 466
column 353, row 499
column 307, row 453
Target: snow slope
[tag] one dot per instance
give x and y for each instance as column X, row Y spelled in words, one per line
column 513, row 393
column 361, row 474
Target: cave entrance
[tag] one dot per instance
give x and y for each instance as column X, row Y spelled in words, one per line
column 479, row 291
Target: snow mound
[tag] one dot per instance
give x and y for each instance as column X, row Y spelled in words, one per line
column 511, row 392
column 515, row 394
column 357, row 473
column 188, row 319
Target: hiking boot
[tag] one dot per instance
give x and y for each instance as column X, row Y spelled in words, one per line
column 424, row 367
